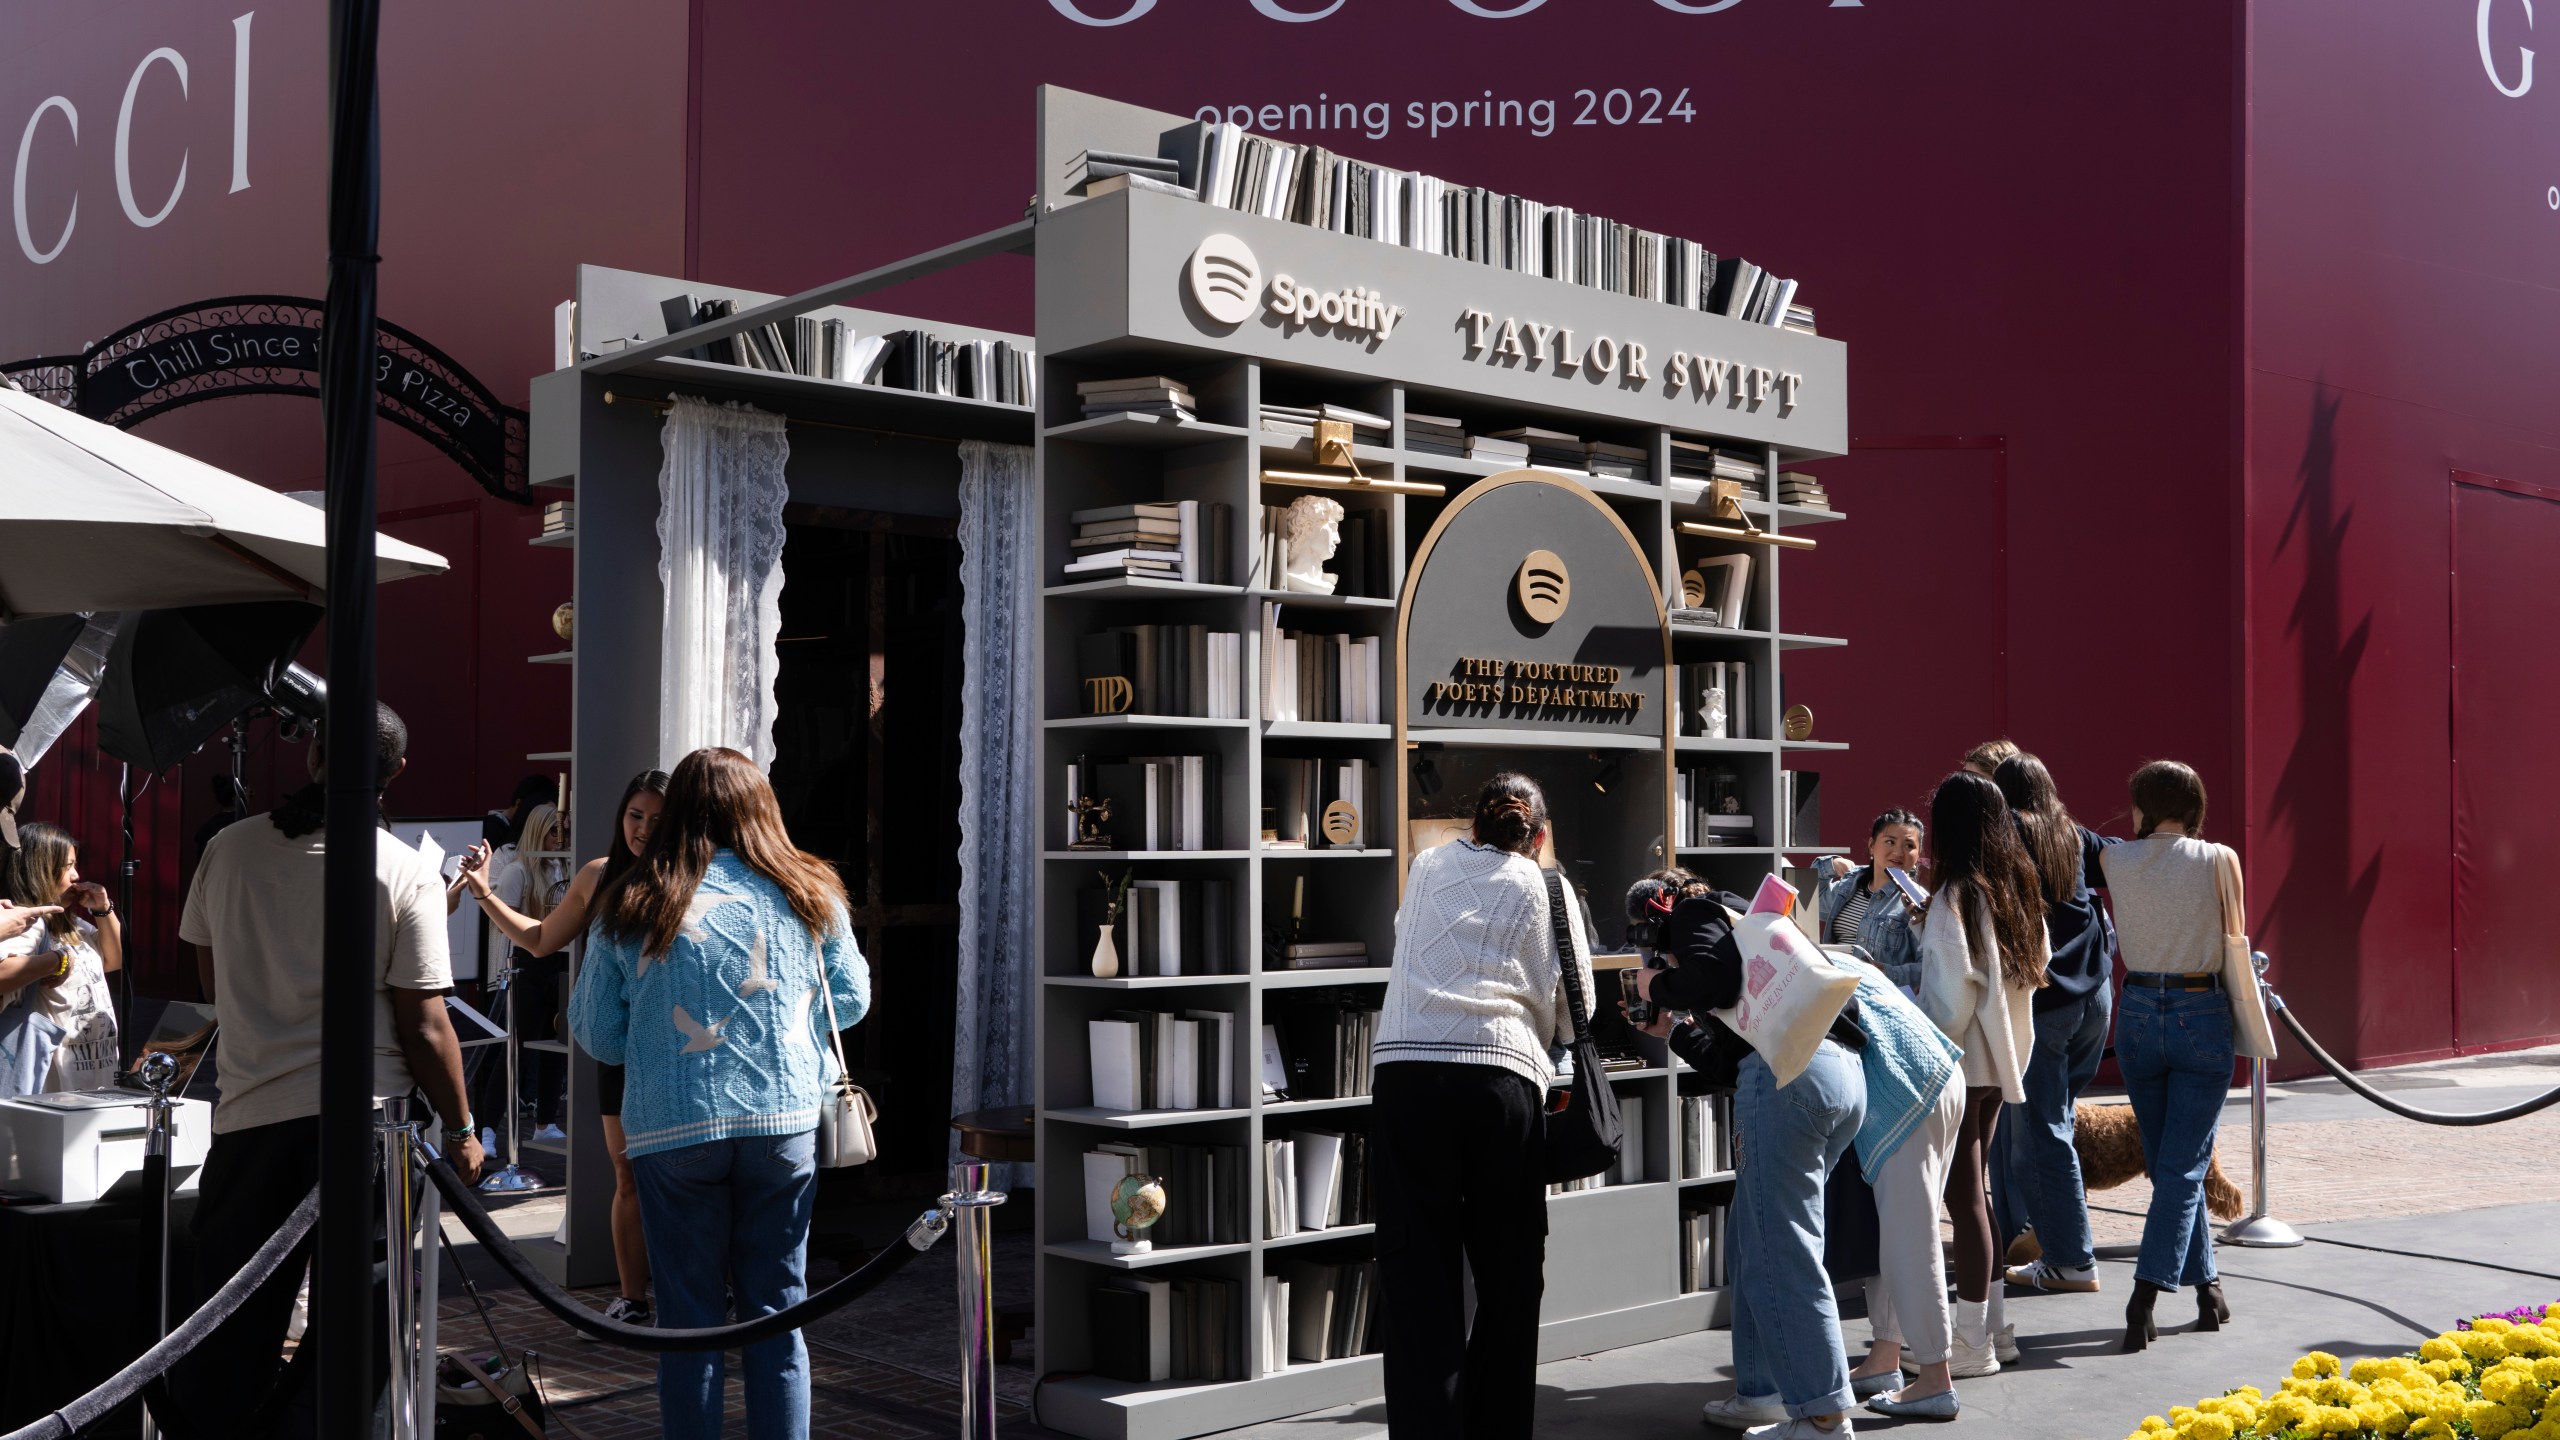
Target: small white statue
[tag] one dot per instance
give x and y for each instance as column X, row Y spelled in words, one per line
column 1313, row 531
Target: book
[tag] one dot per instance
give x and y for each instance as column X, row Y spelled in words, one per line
column 1104, row 1169
column 1318, row 1154
column 1132, row 1328
column 1118, row 1063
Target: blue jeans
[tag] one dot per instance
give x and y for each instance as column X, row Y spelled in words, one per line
column 1786, row 1330
column 731, row 1217
column 2174, row 1047
column 2035, row 1172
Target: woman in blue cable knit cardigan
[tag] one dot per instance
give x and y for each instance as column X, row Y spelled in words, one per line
column 703, row 980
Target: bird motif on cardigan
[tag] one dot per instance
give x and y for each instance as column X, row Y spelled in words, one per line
column 701, row 905
column 699, row 1037
column 758, row 978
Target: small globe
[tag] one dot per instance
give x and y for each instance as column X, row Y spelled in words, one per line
column 1137, row 1202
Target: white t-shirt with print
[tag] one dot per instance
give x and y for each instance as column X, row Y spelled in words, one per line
column 256, row 902
column 82, row 1004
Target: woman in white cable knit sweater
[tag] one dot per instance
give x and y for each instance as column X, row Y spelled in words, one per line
column 1459, row 1074
column 1983, row 952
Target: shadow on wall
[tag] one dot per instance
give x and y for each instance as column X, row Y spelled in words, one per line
column 2312, row 920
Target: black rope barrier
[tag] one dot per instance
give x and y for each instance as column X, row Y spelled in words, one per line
column 2348, row 1078
column 475, row 1218
column 151, row 1364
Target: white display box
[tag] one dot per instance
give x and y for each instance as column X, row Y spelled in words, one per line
column 75, row 1147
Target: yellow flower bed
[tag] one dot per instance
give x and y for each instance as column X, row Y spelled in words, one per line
column 2490, row 1382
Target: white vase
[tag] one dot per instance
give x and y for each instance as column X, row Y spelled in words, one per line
column 1106, row 955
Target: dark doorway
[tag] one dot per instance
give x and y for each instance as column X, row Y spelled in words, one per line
column 867, row 763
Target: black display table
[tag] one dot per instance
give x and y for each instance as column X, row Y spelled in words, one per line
column 72, row 1302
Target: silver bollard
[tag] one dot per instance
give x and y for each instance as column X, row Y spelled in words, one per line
column 160, row 1075
column 430, row 1275
column 2259, row 1230
column 972, row 1232
column 395, row 1136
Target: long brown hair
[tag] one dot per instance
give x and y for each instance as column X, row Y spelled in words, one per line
column 1975, row 846
column 33, row 872
column 717, row 799
column 2051, row 836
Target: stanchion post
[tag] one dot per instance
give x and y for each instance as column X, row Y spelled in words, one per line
column 159, row 1074
column 396, row 1135
column 430, row 1284
column 2260, row 1230
column 972, row 1230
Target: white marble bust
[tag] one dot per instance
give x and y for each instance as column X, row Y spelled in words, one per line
column 1313, row 529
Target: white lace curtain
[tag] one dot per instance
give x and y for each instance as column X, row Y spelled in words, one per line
column 999, row 806
column 720, row 497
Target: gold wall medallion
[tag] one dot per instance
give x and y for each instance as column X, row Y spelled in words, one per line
column 564, row 622
column 1108, row 695
column 1341, row 822
column 1544, row 586
column 1799, row 722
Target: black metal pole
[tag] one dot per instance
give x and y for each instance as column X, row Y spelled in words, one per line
column 342, row 1270
column 125, row 1026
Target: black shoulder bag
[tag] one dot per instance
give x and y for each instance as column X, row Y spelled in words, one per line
column 1583, row 1133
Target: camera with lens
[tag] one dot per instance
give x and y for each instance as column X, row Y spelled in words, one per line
column 1649, row 905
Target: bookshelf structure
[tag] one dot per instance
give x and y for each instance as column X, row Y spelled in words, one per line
column 1115, row 303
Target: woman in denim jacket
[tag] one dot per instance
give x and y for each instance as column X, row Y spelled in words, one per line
column 1866, row 909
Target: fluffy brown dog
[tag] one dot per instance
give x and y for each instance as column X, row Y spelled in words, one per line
column 2110, row 1146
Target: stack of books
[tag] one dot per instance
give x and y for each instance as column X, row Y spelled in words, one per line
column 1434, row 434
column 1169, row 670
column 1162, row 540
column 1158, row 802
column 1692, row 460
column 560, row 517
column 1797, row 488
column 1157, row 395
column 1332, row 1309
column 1702, row 1142
column 1702, row 1249
column 1325, row 955
column 1747, row 466
column 1698, row 819
column 1548, row 449
column 1100, row 172
column 1187, row 1327
column 1299, row 421
column 1167, row 927
column 1162, row 1060
column 1316, row 676
column 1315, row 1180
column 1295, row 792
column 1800, row 320
column 1311, row 185
column 1496, row 452
column 1626, row 462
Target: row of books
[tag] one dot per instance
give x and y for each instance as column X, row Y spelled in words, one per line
column 1332, row 1309
column 560, row 517
column 1163, row 1060
column 1167, row 927
column 1801, row 790
column 1715, row 700
column 1315, row 1180
column 1180, row 1327
column 1203, row 1190
column 1795, row 487
column 1316, row 676
column 1700, row 818
column 1159, row 540
column 1160, row 395
column 1705, row 1146
column 1697, row 460
column 1321, row 1044
column 1359, row 563
column 1163, row 670
column 1310, row 185
column 1158, row 802
column 918, row 360
column 1702, row 1255
column 1296, row 793
column 1630, row 1167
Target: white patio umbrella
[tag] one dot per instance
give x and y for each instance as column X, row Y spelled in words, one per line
column 94, row 519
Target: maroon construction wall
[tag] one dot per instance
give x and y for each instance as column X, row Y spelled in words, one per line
column 2403, row 330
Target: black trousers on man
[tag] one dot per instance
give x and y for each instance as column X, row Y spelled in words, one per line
column 234, row 1384
column 1458, row 1151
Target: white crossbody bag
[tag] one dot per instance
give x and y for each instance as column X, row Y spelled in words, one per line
column 845, row 1111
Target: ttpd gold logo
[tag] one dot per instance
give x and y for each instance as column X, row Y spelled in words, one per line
column 1544, row 587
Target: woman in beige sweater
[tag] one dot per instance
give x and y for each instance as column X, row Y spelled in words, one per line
column 1982, row 957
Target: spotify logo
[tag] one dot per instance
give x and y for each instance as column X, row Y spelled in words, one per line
column 1544, row 587
column 1224, row 278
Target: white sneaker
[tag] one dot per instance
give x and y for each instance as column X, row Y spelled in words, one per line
column 1968, row 1361
column 2045, row 1275
column 1797, row 1428
column 1744, row 1412
column 2004, row 1345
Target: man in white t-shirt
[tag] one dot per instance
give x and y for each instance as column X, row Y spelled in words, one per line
column 253, row 913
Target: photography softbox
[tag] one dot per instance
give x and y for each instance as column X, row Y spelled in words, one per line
column 176, row 677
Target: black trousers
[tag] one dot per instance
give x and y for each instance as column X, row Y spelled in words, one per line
column 234, row 1384
column 1458, row 1150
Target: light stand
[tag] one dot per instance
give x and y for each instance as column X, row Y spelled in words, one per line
column 513, row 1178
column 124, row 916
column 2260, row 1230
